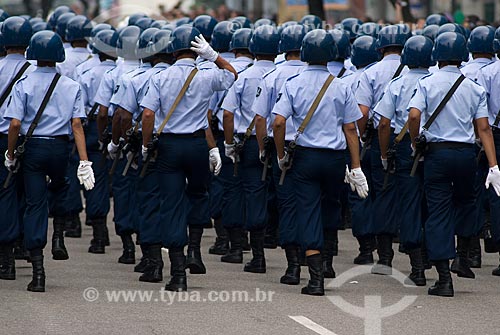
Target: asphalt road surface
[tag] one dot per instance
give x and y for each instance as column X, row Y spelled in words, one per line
column 93, row 294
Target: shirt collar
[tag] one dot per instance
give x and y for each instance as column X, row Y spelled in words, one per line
column 185, row 62
column 161, row 65
column 80, row 50
column 146, row 65
column 263, row 63
column 243, row 59
column 15, row 57
column 131, row 62
column 45, row 69
column 419, row 70
column 391, row 57
column 108, row 61
column 227, row 55
column 316, row 68
column 294, row 62
column 450, row 68
column 482, row 60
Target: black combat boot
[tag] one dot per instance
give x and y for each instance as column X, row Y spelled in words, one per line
column 235, row 253
column 59, row 252
column 178, row 282
column 329, row 243
column 20, row 251
column 496, row 272
column 490, row 246
column 143, row 264
column 221, row 245
column 37, row 284
column 73, row 226
column 316, row 284
column 425, row 257
column 365, row 250
column 292, row 273
column 385, row 255
column 417, row 275
column 272, row 233
column 128, row 256
column 7, row 262
column 444, row 286
column 106, row 236
column 302, row 258
column 193, row 260
column 98, row 243
column 258, row 262
column 245, row 244
column 154, row 270
column 461, row 263
column 475, row 253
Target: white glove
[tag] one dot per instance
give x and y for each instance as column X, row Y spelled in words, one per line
column 113, row 150
column 230, row 151
column 262, row 156
column 384, row 163
column 358, row 182
column 347, row 173
column 85, row 175
column 9, row 163
column 215, row 161
column 282, row 161
column 494, row 179
column 203, row 49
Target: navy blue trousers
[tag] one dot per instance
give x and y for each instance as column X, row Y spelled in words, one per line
column 318, row 180
column 216, row 188
column 125, row 205
column 10, row 227
column 96, row 200
column 74, row 201
column 449, row 186
column 494, row 198
column 44, row 157
column 181, row 158
column 410, row 197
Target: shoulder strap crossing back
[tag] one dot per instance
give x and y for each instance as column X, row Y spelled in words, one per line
column 93, row 110
column 342, row 72
column 398, row 71
column 178, row 99
column 45, row 101
column 18, row 75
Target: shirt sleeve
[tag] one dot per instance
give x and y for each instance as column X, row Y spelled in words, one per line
column 418, row 100
column 352, row 113
column 261, row 105
column 386, row 106
column 481, row 80
column 482, row 109
column 16, row 104
column 152, row 98
column 105, row 91
column 364, row 92
column 120, row 90
column 283, row 104
column 221, row 79
column 233, row 98
column 78, row 108
column 128, row 101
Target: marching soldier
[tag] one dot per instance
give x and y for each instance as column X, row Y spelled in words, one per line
column 318, row 159
column 447, row 140
column 179, row 118
column 337, row 67
column 247, row 167
column 60, row 27
column 16, row 33
column 46, row 120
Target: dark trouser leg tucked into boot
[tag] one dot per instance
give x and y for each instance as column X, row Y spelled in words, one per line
column 316, row 284
column 292, row 273
column 154, row 270
column 193, row 261
column 461, row 263
column 141, row 267
column 73, row 226
column 7, row 262
column 475, row 253
column 258, row 262
column 128, row 256
column 221, row 245
column 98, row 242
column 385, row 255
column 444, row 286
column 37, row 284
column 59, row 251
column 329, row 245
column 417, row 275
column 178, row 282
column 365, row 256
column 235, row 253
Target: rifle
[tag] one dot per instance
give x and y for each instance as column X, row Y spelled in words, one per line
column 239, row 143
column 290, row 150
column 267, row 151
column 18, row 154
column 121, row 144
column 150, row 154
column 103, row 146
column 367, row 137
column 133, row 146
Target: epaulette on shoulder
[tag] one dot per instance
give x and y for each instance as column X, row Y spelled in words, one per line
column 292, row 77
column 369, row 66
column 22, row 78
column 268, row 73
column 426, row 76
column 138, row 73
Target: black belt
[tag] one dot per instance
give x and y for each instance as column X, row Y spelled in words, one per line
column 241, row 135
column 58, row 137
column 449, row 145
column 300, row 147
column 197, row 134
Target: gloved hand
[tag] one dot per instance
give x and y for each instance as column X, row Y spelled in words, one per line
column 384, row 163
column 9, row 163
column 215, row 161
column 262, row 156
column 347, row 173
column 144, row 151
column 85, row 175
column 113, row 150
column 358, row 182
column 494, row 179
column 101, row 145
column 230, row 151
column 203, row 49
column 283, row 161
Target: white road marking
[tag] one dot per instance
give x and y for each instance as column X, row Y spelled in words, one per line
column 308, row 323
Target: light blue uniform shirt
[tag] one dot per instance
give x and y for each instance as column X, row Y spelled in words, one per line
column 85, row 66
column 9, row 67
column 270, row 87
column 394, row 102
column 90, row 81
column 489, row 79
column 374, row 80
column 471, row 69
column 338, row 107
column 240, row 64
column 109, row 82
column 137, row 88
column 65, row 103
column 455, row 122
column 74, row 57
column 241, row 95
column 352, row 79
column 335, row 68
column 124, row 83
column 348, row 65
column 191, row 113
